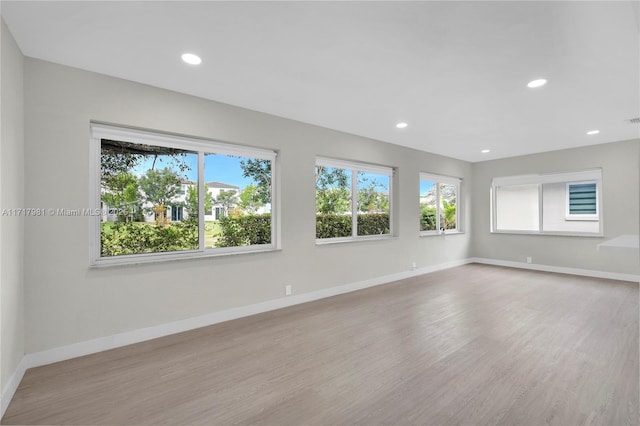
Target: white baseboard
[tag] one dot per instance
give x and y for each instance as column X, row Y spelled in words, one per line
column 75, row 350
column 558, row 269
column 11, row 387
column 122, row 339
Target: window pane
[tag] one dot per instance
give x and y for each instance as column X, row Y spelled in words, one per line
column 517, row 208
column 428, row 202
column 582, row 199
column 238, row 201
column 333, row 202
column 554, row 216
column 142, row 193
column 557, row 203
column 373, row 204
column 448, row 205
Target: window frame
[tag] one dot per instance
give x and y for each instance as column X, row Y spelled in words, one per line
column 589, row 217
column 99, row 131
column 568, row 178
column 438, row 180
column 356, row 167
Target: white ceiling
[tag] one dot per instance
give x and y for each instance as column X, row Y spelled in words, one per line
column 455, row 71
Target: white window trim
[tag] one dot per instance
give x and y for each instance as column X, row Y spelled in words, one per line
column 588, row 217
column 356, row 167
column 574, row 177
column 352, row 165
column 449, row 180
column 208, row 146
column 201, row 147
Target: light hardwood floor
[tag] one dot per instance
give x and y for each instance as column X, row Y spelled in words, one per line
column 475, row 344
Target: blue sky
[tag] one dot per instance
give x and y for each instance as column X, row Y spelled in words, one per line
column 226, row 169
column 381, row 182
column 425, row 186
column 218, row 168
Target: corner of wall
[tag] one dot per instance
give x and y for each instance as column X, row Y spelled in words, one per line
column 619, row 163
column 12, row 331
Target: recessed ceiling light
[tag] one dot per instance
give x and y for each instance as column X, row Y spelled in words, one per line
column 593, row 132
column 191, row 59
column 485, row 151
column 537, row 83
column 401, row 125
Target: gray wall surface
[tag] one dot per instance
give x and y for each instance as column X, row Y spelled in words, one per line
column 11, row 197
column 67, row 302
column 620, row 163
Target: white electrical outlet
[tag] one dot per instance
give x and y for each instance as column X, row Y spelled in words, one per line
column 288, row 290
column 529, row 259
column 413, row 266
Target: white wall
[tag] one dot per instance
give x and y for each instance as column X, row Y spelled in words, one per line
column 67, row 302
column 11, row 196
column 620, row 163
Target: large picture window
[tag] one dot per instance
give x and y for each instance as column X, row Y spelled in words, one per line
column 353, row 200
column 439, row 204
column 164, row 196
column 559, row 203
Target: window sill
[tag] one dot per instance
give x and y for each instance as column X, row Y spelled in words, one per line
column 554, row 234
column 582, row 218
column 330, row 241
column 439, row 234
column 108, row 262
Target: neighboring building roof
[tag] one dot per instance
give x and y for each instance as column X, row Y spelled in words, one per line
column 222, row 185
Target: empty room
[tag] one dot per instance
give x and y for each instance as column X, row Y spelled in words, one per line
column 320, row 213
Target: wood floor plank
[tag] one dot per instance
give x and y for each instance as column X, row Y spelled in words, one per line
column 476, row 344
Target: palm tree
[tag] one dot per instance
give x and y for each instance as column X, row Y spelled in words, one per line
column 449, row 215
